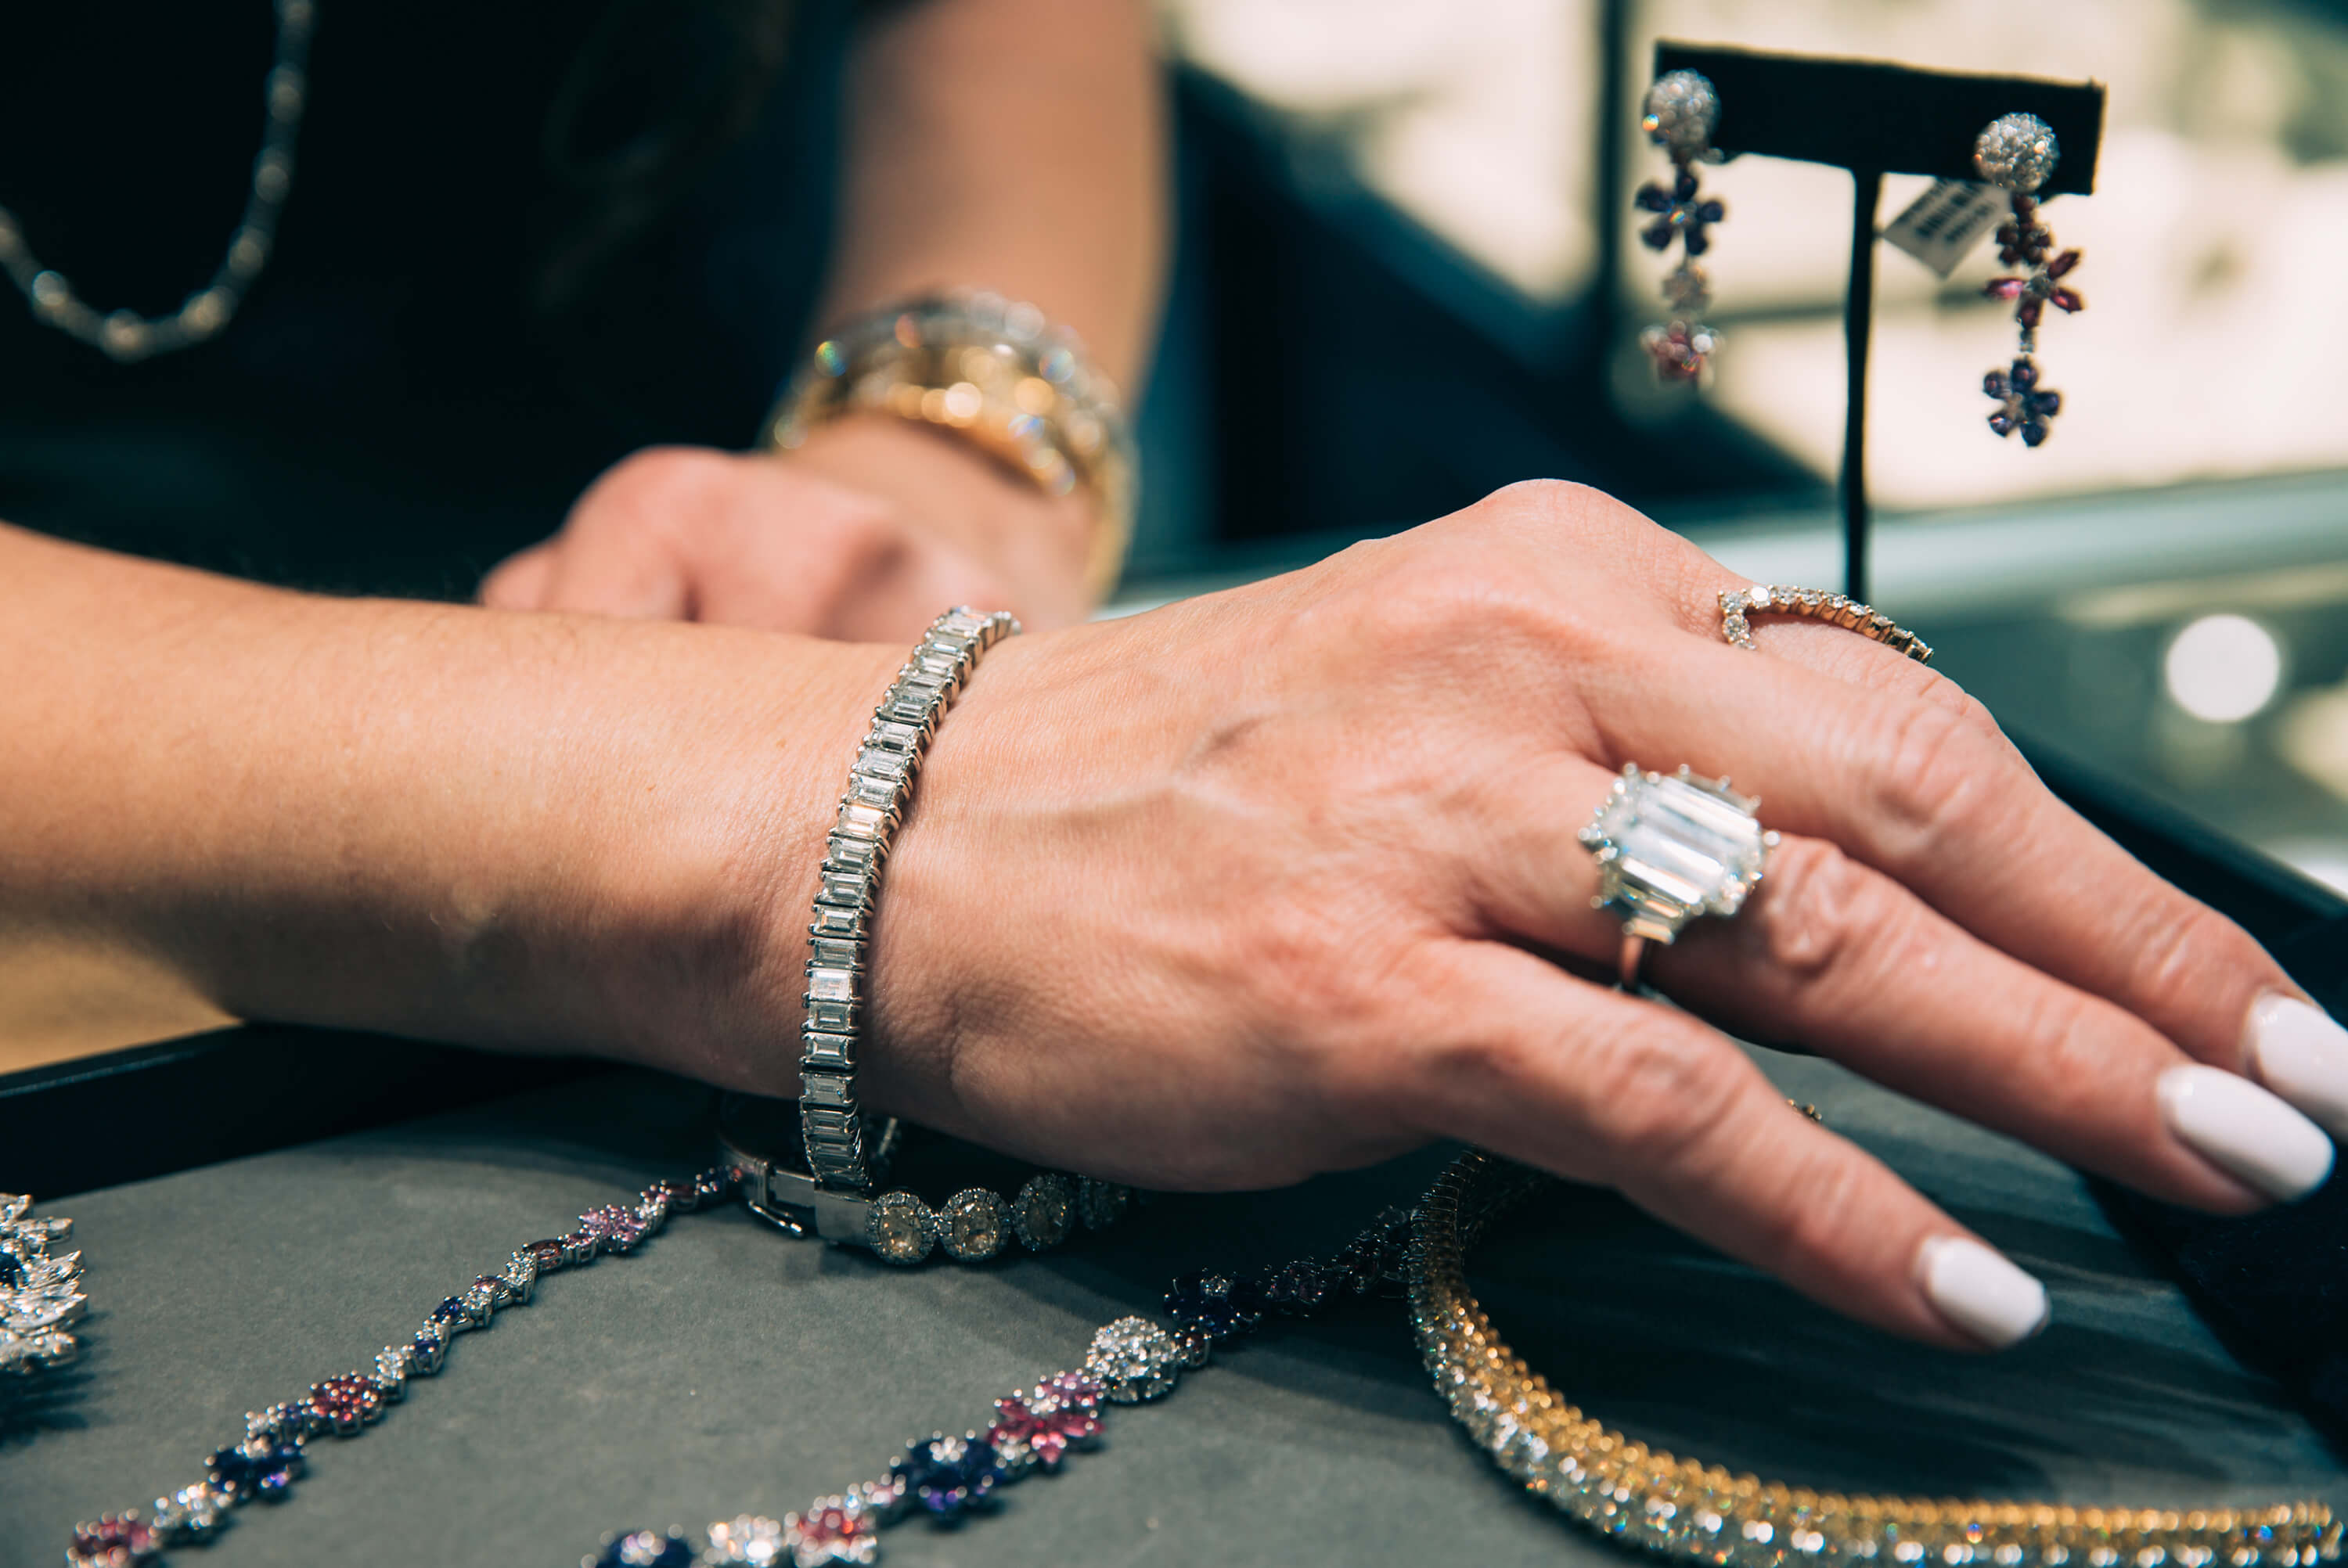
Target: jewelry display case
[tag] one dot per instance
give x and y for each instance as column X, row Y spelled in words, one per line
column 260, row 1204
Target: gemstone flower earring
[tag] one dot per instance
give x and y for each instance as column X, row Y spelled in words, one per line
column 1682, row 112
column 2018, row 152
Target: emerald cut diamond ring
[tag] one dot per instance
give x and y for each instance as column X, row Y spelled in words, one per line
column 1670, row 848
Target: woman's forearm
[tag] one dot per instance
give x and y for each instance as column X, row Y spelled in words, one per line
column 527, row 830
column 1015, row 145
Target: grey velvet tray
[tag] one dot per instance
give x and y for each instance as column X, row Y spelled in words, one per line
column 724, row 1368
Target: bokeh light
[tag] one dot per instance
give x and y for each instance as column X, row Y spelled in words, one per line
column 2223, row 668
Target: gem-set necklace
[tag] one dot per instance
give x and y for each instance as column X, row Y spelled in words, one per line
column 40, row 1292
column 1683, row 1508
column 126, row 335
column 944, row 1478
column 1617, row 1487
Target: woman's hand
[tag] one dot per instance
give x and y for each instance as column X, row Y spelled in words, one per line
column 862, row 535
column 1285, row 879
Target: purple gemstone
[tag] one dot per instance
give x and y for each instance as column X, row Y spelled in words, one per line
column 615, row 1229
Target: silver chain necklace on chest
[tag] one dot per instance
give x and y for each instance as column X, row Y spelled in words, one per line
column 126, row 335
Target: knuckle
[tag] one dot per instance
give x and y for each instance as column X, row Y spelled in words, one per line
column 1929, row 777
column 1432, row 614
column 659, row 486
column 1817, row 910
column 1546, row 513
column 1653, row 1097
column 1906, row 678
column 1826, row 1200
column 1545, row 501
column 2175, row 943
column 2071, row 1057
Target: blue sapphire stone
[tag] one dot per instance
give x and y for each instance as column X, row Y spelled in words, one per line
column 644, row 1549
column 1218, row 1305
column 950, row 1478
column 260, row 1467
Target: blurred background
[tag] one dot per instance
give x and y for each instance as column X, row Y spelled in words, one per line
column 1405, row 279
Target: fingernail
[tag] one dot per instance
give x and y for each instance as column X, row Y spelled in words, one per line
column 2301, row 1055
column 1980, row 1291
column 2244, row 1131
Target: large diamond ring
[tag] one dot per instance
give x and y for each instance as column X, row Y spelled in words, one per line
column 1669, row 849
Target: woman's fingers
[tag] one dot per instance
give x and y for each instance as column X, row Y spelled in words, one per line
column 1598, row 1086
column 519, row 582
column 1927, row 792
column 2289, row 1044
column 1847, row 961
column 1843, row 960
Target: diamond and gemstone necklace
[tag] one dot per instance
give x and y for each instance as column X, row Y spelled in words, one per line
column 126, row 335
column 940, row 1478
column 1669, row 1505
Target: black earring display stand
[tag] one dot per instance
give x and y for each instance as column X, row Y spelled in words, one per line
column 1874, row 119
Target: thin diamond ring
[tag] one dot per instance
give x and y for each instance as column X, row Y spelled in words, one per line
column 1812, row 604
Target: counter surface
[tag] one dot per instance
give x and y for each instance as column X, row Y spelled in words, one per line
column 724, row 1368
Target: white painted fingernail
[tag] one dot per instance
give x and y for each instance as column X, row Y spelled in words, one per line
column 1980, row 1291
column 2301, row 1055
column 2245, row 1130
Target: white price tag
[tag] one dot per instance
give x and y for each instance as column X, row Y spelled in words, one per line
column 1947, row 222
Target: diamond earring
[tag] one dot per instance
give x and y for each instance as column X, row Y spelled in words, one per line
column 2018, row 152
column 1682, row 112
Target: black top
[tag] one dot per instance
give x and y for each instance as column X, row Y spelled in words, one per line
column 522, row 241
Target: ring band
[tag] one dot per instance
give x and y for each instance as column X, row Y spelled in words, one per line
column 1627, row 961
column 1813, row 604
column 1669, row 849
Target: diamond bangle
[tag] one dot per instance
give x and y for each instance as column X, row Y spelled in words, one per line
column 842, row 1146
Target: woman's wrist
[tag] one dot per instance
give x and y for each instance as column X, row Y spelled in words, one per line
column 1038, row 544
column 549, row 831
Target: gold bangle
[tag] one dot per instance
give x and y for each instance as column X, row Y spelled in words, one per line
column 1681, row 1507
column 995, row 374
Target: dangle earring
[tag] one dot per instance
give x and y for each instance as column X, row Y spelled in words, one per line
column 1681, row 111
column 2018, row 152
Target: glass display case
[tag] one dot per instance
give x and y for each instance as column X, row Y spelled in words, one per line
column 1409, row 277
column 1406, row 277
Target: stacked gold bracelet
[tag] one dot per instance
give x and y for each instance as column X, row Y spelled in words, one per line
column 997, row 374
column 1683, row 1508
